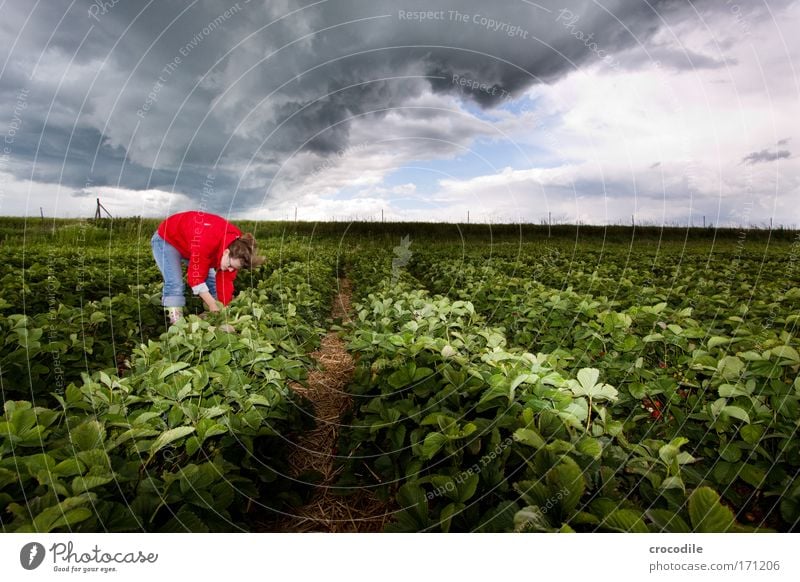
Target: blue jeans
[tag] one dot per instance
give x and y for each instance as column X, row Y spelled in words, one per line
column 170, row 263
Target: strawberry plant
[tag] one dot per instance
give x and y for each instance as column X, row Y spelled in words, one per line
column 626, row 414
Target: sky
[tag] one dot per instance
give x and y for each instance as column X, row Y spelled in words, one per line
column 602, row 112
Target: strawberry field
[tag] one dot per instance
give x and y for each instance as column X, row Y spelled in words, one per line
column 526, row 384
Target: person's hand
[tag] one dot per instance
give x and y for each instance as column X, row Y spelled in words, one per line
column 211, row 303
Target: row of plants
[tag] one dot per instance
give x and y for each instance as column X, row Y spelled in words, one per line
column 469, row 435
column 37, row 276
column 706, row 277
column 599, row 331
column 192, row 438
column 56, row 326
column 469, row 430
column 721, row 378
column 43, row 352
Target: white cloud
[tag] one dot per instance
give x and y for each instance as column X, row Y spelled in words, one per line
column 25, row 198
column 661, row 143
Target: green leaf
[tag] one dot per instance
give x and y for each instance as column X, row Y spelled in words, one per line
column 666, row 521
column 725, row 472
column 65, row 513
column 567, row 484
column 531, row 378
column 673, row 482
column 496, row 392
column 200, row 378
column 730, row 453
column 736, row 412
column 175, row 416
column 185, row 521
column 41, row 462
column 787, row 353
column 132, row 433
column 105, row 379
column 534, row 493
column 718, row 340
column 625, row 520
column 172, row 368
column 637, row 390
column 529, row 437
column 752, row 474
column 72, row 518
column 446, row 516
column 169, row 436
column 669, row 452
column 411, row 498
column 584, row 387
column 207, row 428
column 89, row 435
column 614, row 428
column 68, row 468
column 84, row 484
column 590, row 447
column 733, row 390
column 605, row 391
column 94, row 458
column 192, row 445
column 421, row 373
column 467, row 488
column 706, row 512
column 532, row 519
column 399, row 379
column 433, row 442
column 144, row 417
column 588, row 377
column 219, row 357
column 674, row 328
column 717, row 406
column 730, row 367
column 751, row 433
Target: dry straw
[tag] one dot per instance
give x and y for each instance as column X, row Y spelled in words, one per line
column 329, row 510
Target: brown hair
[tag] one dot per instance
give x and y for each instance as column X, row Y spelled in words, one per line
column 244, row 249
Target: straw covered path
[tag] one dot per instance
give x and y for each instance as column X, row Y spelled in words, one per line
column 328, row 509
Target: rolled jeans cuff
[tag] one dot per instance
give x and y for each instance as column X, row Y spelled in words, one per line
column 173, row 301
column 197, row 289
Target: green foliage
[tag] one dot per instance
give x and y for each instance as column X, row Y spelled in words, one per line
column 620, row 413
column 511, row 386
column 187, row 437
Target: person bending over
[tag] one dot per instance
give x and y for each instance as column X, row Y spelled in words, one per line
column 215, row 250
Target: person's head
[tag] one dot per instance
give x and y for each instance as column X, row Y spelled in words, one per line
column 241, row 254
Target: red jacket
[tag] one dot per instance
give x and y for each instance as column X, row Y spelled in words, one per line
column 202, row 238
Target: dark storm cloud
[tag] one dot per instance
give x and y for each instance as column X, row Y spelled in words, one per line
column 157, row 95
column 671, row 58
column 765, row 156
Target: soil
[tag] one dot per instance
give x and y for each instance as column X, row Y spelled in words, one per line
column 331, row 508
